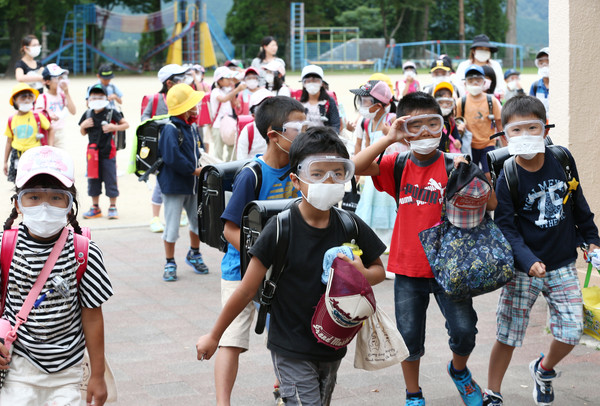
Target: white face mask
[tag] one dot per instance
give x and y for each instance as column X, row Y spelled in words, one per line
column 439, row 79
column 252, row 84
column 474, row 90
column 409, row 74
column 324, row 196
column 482, row 55
column 269, row 78
column 526, row 146
column 227, row 89
column 34, row 51
column 425, row 145
column 97, row 104
column 446, row 111
column 544, row 72
column 364, row 111
column 512, row 85
column 44, row 220
column 25, row 107
column 312, row 88
column 188, row 79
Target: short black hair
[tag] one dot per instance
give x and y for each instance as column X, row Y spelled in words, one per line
column 316, row 140
column 274, row 111
column 523, row 105
column 417, row 101
column 97, row 90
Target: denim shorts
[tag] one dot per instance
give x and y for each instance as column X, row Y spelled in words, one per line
column 561, row 289
column 305, row 383
column 411, row 297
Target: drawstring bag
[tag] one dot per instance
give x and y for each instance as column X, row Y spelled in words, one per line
column 228, row 130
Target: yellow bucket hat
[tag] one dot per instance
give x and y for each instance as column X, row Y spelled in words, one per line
column 181, row 98
column 21, row 87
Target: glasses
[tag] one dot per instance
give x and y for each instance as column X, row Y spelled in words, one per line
column 432, row 123
column 366, row 101
column 317, row 169
column 93, row 97
column 37, row 196
column 312, row 80
column 291, row 129
column 23, row 97
column 475, row 80
column 542, row 62
column 445, row 102
column 530, row 127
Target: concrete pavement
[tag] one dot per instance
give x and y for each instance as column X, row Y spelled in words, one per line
column 152, row 326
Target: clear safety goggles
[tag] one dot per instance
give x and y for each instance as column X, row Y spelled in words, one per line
column 366, row 101
column 475, row 80
column 527, row 127
column 291, row 129
column 318, row 168
column 445, row 102
column 542, row 62
column 312, row 80
column 432, row 123
column 37, row 196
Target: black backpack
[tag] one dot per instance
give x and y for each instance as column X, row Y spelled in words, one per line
column 500, row 159
column 401, row 163
column 147, row 159
column 463, row 103
column 214, row 191
column 255, row 217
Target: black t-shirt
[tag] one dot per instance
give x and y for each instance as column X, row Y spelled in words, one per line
column 26, row 69
column 105, row 142
column 300, row 288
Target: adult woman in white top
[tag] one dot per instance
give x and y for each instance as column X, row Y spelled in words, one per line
column 268, row 50
column 481, row 54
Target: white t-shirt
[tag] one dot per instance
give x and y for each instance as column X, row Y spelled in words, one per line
column 283, row 91
column 54, row 104
column 259, row 144
column 215, row 109
column 313, row 113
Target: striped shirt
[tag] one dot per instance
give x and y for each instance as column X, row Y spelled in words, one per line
column 52, row 338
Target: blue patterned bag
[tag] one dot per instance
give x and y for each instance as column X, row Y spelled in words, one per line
column 468, row 262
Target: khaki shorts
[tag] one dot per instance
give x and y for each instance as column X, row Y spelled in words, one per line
column 238, row 332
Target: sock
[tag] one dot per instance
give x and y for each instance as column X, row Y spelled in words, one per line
column 418, row 394
column 171, row 260
column 195, row 251
column 542, row 367
column 456, row 371
column 95, row 205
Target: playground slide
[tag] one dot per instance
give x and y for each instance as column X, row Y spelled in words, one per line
column 56, row 53
column 113, row 59
column 189, row 26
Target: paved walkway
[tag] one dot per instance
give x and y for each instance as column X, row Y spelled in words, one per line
column 152, row 327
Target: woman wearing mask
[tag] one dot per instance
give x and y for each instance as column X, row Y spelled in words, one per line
column 481, row 55
column 375, row 105
column 27, row 69
column 251, row 79
column 321, row 109
column 268, row 50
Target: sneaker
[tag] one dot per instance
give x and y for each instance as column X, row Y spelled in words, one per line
column 415, row 401
column 156, row 226
column 469, row 391
column 92, row 213
column 183, row 221
column 278, row 399
column 196, row 262
column 543, row 393
column 492, row 398
column 113, row 214
column 170, row 274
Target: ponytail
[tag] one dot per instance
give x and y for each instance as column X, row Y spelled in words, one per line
column 13, row 215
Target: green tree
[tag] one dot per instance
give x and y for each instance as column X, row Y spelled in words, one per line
column 366, row 18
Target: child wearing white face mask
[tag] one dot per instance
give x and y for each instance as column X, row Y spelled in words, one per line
column 321, row 109
column 540, row 88
column 27, row 69
column 251, row 79
column 411, row 84
column 544, row 223
column 44, row 362
column 23, row 129
column 378, row 110
column 99, row 123
column 305, row 367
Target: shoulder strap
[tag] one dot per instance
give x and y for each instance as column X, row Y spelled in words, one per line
column 45, row 101
column 512, row 180
column 563, row 158
column 10, row 126
column 179, row 132
column 491, row 109
column 463, row 103
column 398, row 169
column 154, row 104
column 366, row 126
column 349, row 224
column 255, row 167
column 9, row 242
column 250, row 135
column 109, row 115
column 38, row 122
column 81, row 253
column 449, row 161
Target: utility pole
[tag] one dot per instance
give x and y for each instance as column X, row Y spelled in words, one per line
column 461, row 26
column 511, row 33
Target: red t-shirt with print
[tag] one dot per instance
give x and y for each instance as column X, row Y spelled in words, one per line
column 422, row 191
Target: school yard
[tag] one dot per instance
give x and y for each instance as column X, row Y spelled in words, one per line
column 151, row 326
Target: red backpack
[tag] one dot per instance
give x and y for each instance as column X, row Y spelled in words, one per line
column 7, row 250
column 204, row 116
column 146, row 99
column 246, row 121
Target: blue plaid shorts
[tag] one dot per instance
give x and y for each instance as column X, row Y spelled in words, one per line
column 561, row 289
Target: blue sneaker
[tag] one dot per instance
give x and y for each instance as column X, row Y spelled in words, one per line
column 196, row 262
column 492, row 398
column 170, row 274
column 469, row 391
column 543, row 393
column 415, row 401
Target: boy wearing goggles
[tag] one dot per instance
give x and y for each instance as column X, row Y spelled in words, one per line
column 544, row 233
column 420, row 198
column 320, row 168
